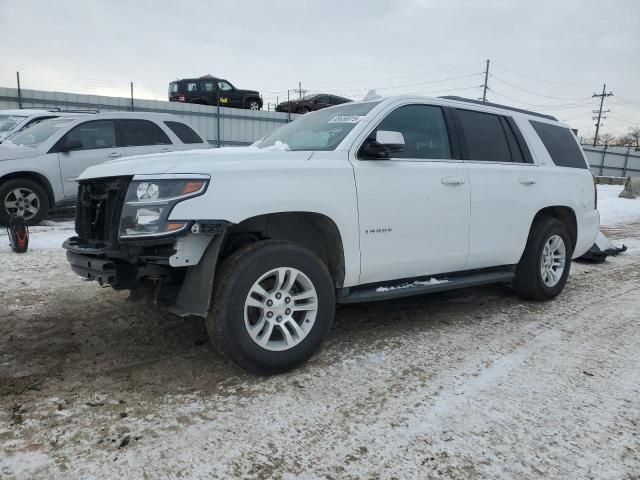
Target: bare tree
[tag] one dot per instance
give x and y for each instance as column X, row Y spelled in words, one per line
column 634, row 133
column 606, row 139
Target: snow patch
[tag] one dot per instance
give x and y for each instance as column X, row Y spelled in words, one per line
column 615, row 210
column 416, row 283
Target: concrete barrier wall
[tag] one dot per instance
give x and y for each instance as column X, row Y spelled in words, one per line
column 236, row 126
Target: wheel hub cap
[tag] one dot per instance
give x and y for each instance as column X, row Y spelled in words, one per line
column 280, row 309
column 552, row 263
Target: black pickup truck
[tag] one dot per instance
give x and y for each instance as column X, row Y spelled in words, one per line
column 207, row 90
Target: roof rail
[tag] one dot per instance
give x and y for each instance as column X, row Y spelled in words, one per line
column 497, row 105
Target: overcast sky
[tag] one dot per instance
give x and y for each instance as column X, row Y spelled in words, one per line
column 547, row 55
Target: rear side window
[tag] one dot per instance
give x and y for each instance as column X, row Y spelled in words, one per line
column 561, row 145
column 138, row 133
column 184, row 132
column 485, row 137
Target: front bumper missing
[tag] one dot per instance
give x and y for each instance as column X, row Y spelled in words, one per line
column 121, row 269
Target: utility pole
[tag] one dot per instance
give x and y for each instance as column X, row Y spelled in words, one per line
column 599, row 111
column 486, row 80
column 300, row 90
column 132, row 96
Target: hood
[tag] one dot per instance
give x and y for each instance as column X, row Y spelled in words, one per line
column 205, row 161
column 10, row 151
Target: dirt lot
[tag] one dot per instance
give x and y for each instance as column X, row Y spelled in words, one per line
column 469, row 384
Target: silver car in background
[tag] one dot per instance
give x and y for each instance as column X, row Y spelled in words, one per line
column 39, row 165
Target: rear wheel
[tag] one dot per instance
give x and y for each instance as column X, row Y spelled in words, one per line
column 273, row 305
column 25, row 198
column 544, row 267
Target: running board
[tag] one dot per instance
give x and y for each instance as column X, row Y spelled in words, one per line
column 417, row 287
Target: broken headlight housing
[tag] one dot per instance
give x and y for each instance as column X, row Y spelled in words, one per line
column 149, row 202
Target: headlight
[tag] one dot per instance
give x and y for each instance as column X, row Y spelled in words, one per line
column 149, row 202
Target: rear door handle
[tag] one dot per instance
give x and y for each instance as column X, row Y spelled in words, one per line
column 527, row 181
column 452, row 181
column 115, row 155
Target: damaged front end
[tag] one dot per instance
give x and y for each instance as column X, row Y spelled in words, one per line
column 126, row 240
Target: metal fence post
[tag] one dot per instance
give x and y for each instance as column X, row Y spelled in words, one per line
column 604, row 153
column 19, row 90
column 218, row 120
column 626, row 162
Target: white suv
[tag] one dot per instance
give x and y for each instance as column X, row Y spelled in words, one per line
column 40, row 164
column 360, row 202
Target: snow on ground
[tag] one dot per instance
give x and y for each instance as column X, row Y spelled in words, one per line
column 615, row 210
column 469, row 384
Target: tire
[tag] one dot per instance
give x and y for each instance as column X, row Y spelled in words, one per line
column 253, row 104
column 530, row 282
column 23, row 197
column 231, row 319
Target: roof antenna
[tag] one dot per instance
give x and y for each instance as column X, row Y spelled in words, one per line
column 372, row 95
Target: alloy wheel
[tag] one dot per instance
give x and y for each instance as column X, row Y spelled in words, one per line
column 22, row 202
column 280, row 309
column 552, row 263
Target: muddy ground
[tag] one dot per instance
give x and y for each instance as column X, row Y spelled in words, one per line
column 470, row 384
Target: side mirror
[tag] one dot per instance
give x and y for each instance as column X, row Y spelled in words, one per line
column 385, row 143
column 71, row 145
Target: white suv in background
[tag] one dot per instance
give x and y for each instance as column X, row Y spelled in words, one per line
column 39, row 165
column 360, row 202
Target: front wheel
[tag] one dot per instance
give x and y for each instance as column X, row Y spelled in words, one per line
column 273, row 305
column 24, row 198
column 544, row 267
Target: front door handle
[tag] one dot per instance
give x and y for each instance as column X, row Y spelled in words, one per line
column 527, row 181
column 115, row 155
column 452, row 181
column 165, row 150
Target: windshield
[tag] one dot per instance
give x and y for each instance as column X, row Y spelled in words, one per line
column 321, row 130
column 7, row 122
column 35, row 134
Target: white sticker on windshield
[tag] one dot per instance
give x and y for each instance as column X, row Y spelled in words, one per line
column 346, row 119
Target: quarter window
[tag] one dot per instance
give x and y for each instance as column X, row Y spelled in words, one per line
column 485, row 136
column 138, row 133
column 93, row 135
column 561, row 145
column 424, row 131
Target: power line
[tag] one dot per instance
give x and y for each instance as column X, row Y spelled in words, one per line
column 534, row 93
column 540, row 79
column 551, row 107
column 384, row 79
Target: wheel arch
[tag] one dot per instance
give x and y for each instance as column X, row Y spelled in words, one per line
column 316, row 231
column 564, row 214
column 36, row 177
